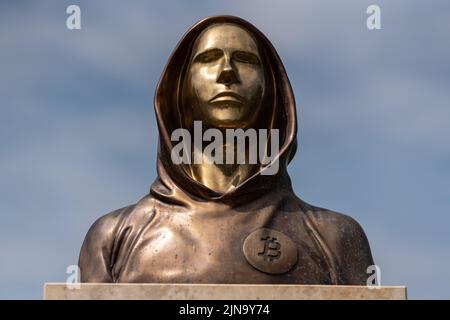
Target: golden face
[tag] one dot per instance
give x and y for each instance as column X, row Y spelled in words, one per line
column 225, row 83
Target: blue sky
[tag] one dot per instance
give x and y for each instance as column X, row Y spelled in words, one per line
column 78, row 134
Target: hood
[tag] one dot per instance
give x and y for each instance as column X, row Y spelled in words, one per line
column 173, row 183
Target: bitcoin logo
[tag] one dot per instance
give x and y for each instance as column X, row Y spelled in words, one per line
column 270, row 251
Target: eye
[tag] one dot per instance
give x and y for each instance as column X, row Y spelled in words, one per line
column 208, row 56
column 245, row 57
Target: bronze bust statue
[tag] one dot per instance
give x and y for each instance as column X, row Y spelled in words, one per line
column 233, row 222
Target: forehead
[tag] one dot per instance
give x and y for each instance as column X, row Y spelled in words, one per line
column 226, row 36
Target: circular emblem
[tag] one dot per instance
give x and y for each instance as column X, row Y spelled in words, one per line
column 270, row 251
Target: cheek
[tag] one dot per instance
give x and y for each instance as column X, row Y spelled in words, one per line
column 203, row 75
column 202, row 80
column 253, row 79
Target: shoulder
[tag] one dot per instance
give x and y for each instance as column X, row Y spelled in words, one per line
column 341, row 226
column 95, row 253
column 105, row 226
column 347, row 242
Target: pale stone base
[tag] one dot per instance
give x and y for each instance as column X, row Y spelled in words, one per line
column 153, row 291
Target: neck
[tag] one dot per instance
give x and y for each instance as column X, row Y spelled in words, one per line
column 222, row 178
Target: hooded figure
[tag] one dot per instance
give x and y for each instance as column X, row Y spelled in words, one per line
column 225, row 223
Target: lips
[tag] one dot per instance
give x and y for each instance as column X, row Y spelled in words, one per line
column 227, row 97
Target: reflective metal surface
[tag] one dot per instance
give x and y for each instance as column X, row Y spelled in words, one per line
column 270, row 251
column 193, row 224
column 223, row 87
column 225, row 83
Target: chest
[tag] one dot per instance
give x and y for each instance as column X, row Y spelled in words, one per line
column 213, row 252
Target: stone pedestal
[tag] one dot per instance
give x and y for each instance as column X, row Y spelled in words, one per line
column 152, row 291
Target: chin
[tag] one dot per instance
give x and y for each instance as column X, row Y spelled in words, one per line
column 229, row 125
column 228, row 121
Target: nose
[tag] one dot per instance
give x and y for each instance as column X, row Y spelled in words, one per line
column 227, row 75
